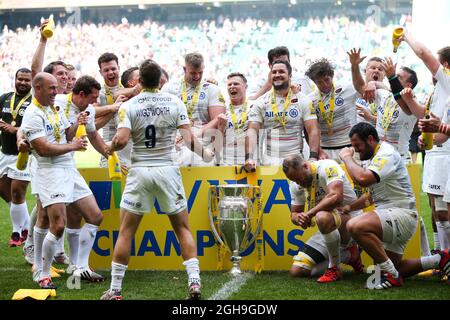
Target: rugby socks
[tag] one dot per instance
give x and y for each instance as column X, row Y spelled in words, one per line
column 192, row 268
column 87, row 237
column 73, row 237
column 437, row 243
column 48, row 251
column 60, row 247
column 38, row 236
column 332, row 241
column 33, row 218
column 430, row 262
column 117, row 275
column 424, row 245
column 389, row 267
column 15, row 212
column 443, row 229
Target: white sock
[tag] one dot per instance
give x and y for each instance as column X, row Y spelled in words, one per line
column 389, row 267
column 192, row 268
column 15, row 213
column 332, row 241
column 87, row 238
column 117, row 275
column 24, row 215
column 73, row 237
column 424, row 244
column 437, row 244
column 60, row 246
column 48, row 251
column 440, row 225
column 430, row 262
column 38, row 236
column 33, row 218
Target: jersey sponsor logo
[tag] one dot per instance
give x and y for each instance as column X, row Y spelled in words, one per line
column 269, row 114
column 332, row 172
column 152, row 111
column 378, row 163
column 33, row 132
column 434, row 186
column 339, row 101
column 362, row 103
column 293, row 113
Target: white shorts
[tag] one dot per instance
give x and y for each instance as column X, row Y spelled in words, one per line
column 145, row 184
column 60, row 185
column 32, row 165
column 398, row 225
column 8, row 168
column 435, row 174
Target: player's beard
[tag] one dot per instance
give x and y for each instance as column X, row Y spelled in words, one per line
column 23, row 90
column 367, row 153
column 282, row 86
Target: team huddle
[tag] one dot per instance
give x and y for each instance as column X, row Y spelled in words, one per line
column 342, row 144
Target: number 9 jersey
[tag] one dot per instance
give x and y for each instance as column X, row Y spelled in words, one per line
column 153, row 118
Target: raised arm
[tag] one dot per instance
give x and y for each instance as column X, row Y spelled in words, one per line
column 423, row 53
column 357, row 78
column 38, row 57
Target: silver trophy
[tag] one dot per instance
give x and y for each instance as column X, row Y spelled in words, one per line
column 235, row 217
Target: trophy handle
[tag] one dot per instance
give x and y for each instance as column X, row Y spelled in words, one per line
column 212, row 197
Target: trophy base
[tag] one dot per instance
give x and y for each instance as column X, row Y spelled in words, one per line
column 235, row 271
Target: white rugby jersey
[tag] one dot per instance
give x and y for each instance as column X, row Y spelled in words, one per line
column 35, row 124
column 344, row 115
column 440, row 96
column 209, row 96
column 280, row 141
column 328, row 171
column 394, row 188
column 234, row 138
column 153, row 118
column 307, row 85
column 401, row 126
column 110, row 128
column 446, row 117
